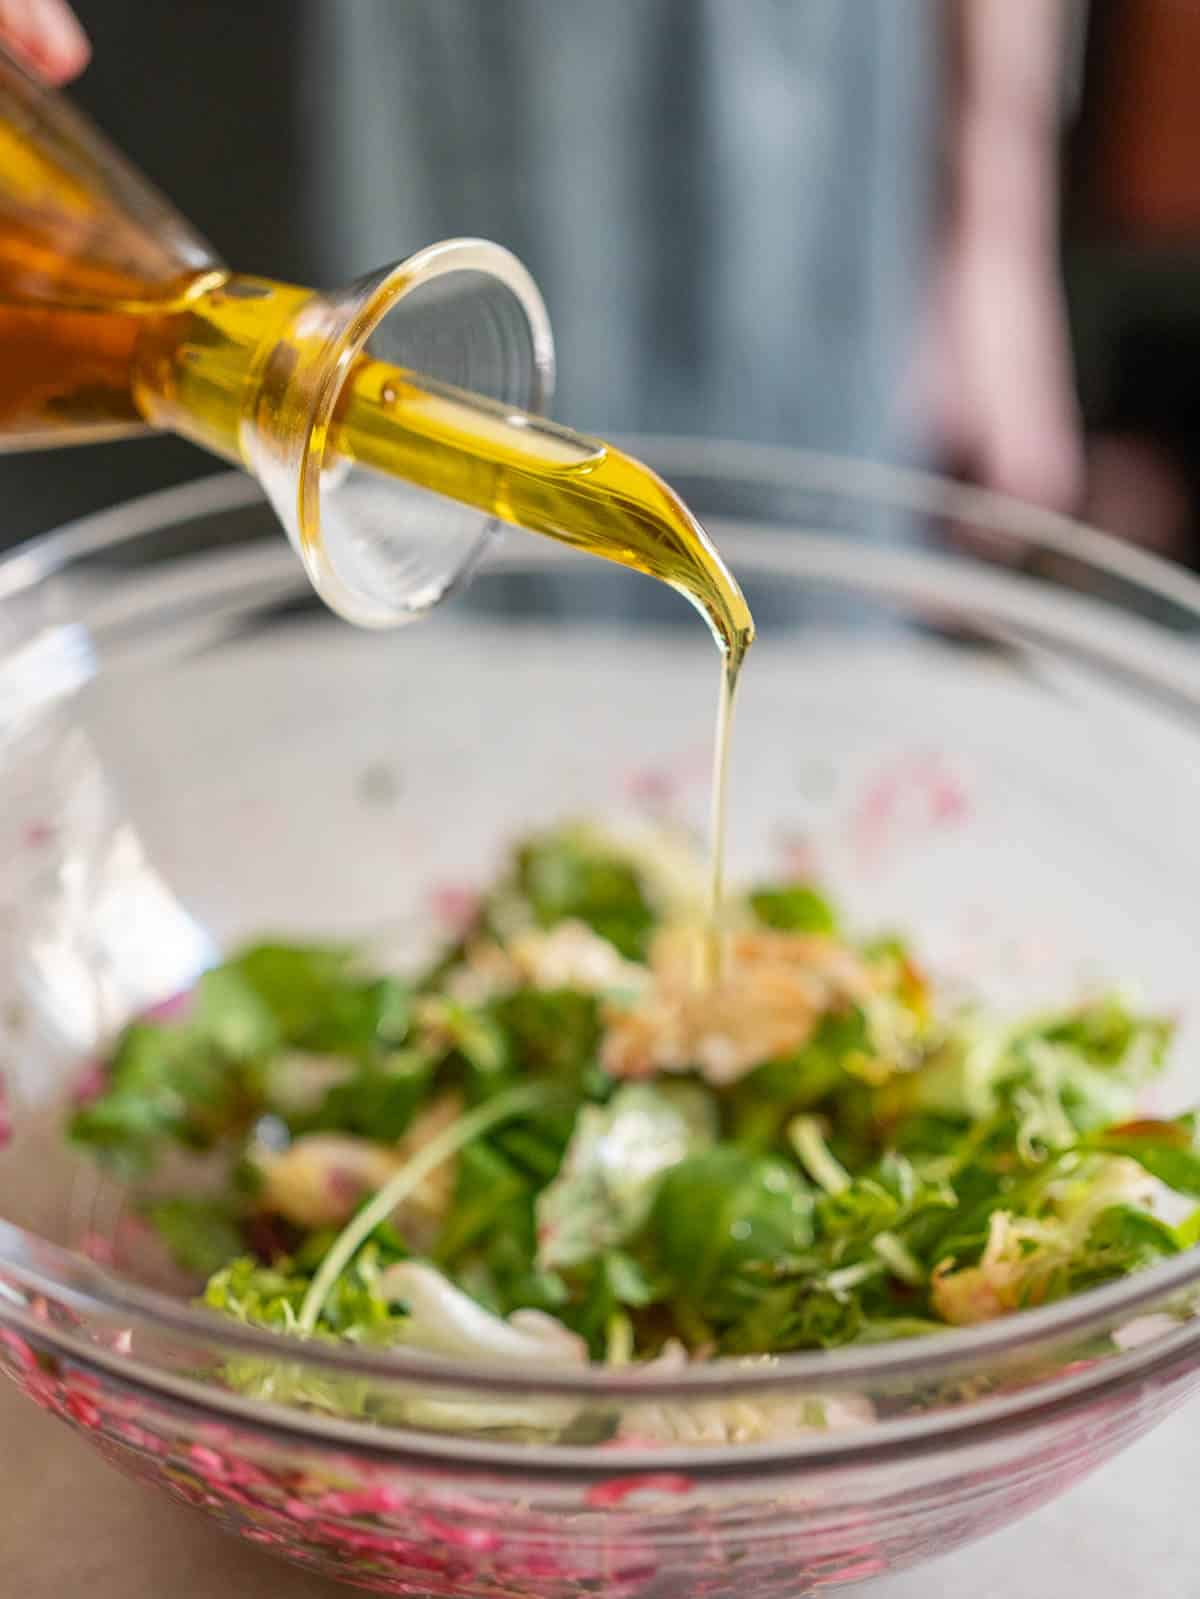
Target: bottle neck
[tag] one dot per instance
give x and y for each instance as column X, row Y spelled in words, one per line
column 198, row 368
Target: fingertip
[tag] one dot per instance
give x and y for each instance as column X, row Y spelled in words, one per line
column 66, row 48
column 48, row 37
column 60, row 70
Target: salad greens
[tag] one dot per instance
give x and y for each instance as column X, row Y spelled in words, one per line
column 556, row 1145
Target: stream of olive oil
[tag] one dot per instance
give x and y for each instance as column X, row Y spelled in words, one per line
column 579, row 491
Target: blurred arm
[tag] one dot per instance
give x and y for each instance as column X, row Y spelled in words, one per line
column 1004, row 394
column 1010, row 56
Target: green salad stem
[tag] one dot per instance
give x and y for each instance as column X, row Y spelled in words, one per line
column 461, row 1132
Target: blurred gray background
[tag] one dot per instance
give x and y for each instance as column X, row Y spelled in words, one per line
column 684, row 178
column 730, row 206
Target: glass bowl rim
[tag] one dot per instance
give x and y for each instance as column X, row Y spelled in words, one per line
column 72, row 1278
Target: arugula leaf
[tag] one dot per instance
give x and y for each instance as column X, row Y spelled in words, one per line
column 490, row 1237
column 569, row 875
column 608, row 1289
column 1107, row 1031
column 804, row 1315
column 318, row 999
column 551, row 1032
column 295, row 981
column 465, row 1039
column 720, row 1212
column 794, row 908
column 1121, row 1239
column 1168, row 1150
column 198, row 1081
column 202, row 1234
column 166, row 1084
column 378, row 1100
column 493, row 1200
column 233, row 1016
column 889, row 1198
column 765, row 1099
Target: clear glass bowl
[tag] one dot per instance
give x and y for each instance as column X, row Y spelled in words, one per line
column 978, row 722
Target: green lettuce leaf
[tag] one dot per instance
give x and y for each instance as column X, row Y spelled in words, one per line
column 571, row 875
column 719, row 1215
column 613, row 1164
column 794, row 908
column 1168, row 1150
column 202, row 1234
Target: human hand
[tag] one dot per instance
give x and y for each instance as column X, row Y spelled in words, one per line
column 46, row 37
